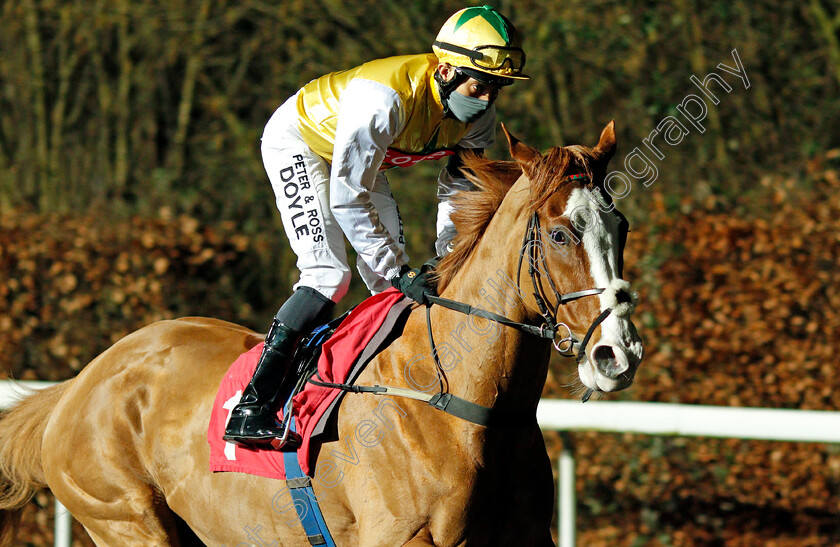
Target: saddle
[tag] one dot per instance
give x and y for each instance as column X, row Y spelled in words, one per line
column 338, row 351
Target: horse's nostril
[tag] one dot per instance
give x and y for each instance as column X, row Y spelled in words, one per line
column 607, row 363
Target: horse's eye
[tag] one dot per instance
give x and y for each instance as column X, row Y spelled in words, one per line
column 559, row 237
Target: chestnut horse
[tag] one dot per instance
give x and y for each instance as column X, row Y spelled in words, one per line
column 123, row 445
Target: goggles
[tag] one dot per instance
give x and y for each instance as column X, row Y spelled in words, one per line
column 495, row 58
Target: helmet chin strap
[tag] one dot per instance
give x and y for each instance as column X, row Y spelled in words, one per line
column 445, row 88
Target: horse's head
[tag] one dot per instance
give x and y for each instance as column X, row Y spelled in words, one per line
column 572, row 260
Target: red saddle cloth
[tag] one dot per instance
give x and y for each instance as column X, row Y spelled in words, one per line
column 366, row 326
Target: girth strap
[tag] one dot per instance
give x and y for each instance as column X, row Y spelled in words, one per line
column 306, row 504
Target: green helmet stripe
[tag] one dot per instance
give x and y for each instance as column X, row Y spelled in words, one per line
column 490, row 15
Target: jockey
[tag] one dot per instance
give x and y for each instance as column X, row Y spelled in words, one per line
column 325, row 151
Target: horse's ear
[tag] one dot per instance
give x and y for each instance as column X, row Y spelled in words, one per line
column 521, row 152
column 605, row 148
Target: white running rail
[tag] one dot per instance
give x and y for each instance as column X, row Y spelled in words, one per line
column 671, row 419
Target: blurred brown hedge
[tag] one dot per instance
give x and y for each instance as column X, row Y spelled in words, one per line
column 73, row 286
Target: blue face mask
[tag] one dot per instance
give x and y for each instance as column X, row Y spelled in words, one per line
column 465, row 108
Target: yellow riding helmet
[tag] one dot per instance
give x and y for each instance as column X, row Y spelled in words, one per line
column 481, row 39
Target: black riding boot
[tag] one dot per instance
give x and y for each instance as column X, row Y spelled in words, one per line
column 252, row 420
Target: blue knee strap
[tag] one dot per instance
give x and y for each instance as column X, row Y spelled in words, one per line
column 306, row 504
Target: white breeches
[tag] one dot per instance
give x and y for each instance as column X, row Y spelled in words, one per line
column 301, row 179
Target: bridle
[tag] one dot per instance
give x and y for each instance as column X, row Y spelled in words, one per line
column 467, row 410
column 532, row 246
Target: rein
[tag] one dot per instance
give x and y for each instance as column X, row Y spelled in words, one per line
column 472, row 412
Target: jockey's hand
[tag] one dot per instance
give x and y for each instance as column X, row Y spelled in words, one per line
column 415, row 283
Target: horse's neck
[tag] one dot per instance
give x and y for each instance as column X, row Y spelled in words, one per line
column 497, row 362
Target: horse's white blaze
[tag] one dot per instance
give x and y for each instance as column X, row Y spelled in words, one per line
column 600, row 242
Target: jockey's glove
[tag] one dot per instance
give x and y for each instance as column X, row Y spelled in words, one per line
column 415, row 283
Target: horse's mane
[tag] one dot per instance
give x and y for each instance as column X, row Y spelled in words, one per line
column 474, row 209
column 493, row 178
